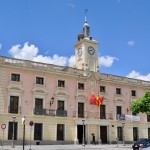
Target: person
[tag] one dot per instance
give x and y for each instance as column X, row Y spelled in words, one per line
column 93, row 138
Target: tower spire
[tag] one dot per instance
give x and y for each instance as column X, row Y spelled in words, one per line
column 86, row 10
column 86, row 27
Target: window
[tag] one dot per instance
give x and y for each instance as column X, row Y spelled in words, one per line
column 12, row 126
column 148, row 118
column 133, row 92
column 149, row 133
column 61, row 109
column 135, row 134
column 102, row 112
column 81, row 86
column 14, row 104
column 38, row 127
column 61, row 83
column 118, row 91
column 102, row 89
column 60, row 105
column 60, row 132
column 80, row 110
column 38, row 110
column 119, row 133
column 118, row 111
column 39, row 80
column 15, row 77
column 38, row 103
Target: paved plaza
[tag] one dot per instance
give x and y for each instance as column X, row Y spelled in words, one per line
column 70, row 147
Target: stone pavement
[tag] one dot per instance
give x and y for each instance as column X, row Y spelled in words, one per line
column 70, row 147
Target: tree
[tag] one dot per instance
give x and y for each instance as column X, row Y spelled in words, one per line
column 142, row 104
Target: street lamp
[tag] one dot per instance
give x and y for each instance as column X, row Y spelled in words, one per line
column 123, row 124
column 13, row 134
column 23, row 123
column 51, row 101
column 83, row 140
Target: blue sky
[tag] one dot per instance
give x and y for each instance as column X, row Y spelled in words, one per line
column 46, row 31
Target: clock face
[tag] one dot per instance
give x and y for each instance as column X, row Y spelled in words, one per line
column 91, row 50
column 80, row 52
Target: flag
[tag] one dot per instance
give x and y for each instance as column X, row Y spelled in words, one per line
column 97, row 100
column 92, row 99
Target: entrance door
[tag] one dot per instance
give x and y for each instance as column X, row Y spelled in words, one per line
column 38, row 131
column 103, row 134
column 135, row 134
column 12, row 130
column 80, row 133
column 60, row 132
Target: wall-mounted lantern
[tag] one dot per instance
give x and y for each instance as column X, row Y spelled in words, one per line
column 51, row 101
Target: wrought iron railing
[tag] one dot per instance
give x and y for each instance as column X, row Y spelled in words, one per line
column 93, row 115
column 14, row 110
column 50, row 112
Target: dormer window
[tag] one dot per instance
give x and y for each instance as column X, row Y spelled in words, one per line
column 81, row 86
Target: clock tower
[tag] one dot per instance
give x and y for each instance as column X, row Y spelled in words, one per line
column 86, row 50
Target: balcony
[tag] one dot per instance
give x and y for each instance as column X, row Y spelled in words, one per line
column 93, row 115
column 50, row 112
column 14, row 110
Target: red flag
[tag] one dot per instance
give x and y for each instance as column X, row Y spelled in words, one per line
column 98, row 101
column 102, row 99
column 92, row 99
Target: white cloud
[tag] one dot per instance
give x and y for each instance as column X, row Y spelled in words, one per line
column 57, row 60
column 131, row 43
column 0, row 46
column 106, row 61
column 137, row 75
column 26, row 52
column 71, row 61
column 30, row 52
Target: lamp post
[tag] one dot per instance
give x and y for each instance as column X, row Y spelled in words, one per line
column 83, row 139
column 23, row 123
column 51, row 101
column 123, row 124
column 13, row 134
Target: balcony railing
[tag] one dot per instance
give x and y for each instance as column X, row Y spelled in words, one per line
column 14, row 110
column 93, row 115
column 50, row 112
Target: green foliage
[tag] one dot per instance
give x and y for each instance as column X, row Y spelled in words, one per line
column 142, row 104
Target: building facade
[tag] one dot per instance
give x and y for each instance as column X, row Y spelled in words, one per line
column 55, row 100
